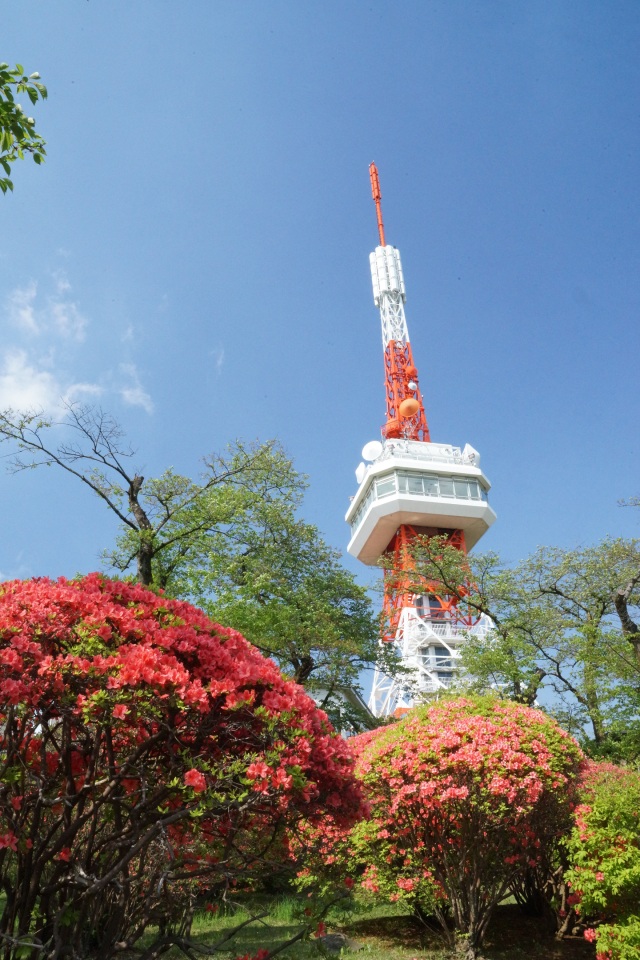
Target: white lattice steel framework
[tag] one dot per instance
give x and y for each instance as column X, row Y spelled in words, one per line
column 389, row 293
column 431, row 649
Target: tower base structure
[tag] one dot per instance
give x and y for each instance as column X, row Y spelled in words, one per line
column 430, row 489
column 430, row 647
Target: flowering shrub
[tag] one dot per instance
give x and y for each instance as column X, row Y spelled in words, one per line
column 145, row 752
column 465, row 795
column 604, row 850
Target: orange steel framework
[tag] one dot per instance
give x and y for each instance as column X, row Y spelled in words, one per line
column 406, row 419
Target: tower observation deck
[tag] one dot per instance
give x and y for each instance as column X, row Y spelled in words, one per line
column 409, row 487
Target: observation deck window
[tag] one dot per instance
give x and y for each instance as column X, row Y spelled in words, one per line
column 419, row 485
column 415, row 484
column 385, row 486
column 446, row 487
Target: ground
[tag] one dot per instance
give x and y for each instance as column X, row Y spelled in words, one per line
column 383, row 933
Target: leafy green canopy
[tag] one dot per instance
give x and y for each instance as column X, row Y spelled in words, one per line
column 231, row 541
column 18, row 135
column 238, row 550
column 556, row 633
column 604, row 850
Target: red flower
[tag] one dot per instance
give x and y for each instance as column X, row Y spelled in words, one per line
column 157, row 703
column 8, row 841
column 196, row 780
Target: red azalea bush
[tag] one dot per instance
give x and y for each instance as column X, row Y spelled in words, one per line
column 465, row 796
column 146, row 753
column 604, row 851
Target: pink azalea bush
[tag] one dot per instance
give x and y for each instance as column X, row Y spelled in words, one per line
column 147, row 754
column 464, row 796
column 604, row 851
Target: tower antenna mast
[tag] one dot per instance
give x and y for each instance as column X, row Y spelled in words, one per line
column 377, row 198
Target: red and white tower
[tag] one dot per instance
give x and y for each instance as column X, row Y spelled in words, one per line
column 412, row 487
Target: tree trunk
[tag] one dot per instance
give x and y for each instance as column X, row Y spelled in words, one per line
column 144, row 563
column 466, row 948
column 145, row 552
column 630, row 630
column 303, row 668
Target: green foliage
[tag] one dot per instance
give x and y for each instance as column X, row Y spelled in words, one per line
column 237, row 549
column 18, row 135
column 604, row 851
column 180, row 520
column 230, row 541
column 555, row 630
column 285, row 589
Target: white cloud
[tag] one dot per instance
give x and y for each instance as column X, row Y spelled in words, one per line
column 134, row 393
column 67, row 319
column 82, row 391
column 62, row 284
column 59, row 315
column 45, row 358
column 62, row 315
column 24, row 387
column 20, row 303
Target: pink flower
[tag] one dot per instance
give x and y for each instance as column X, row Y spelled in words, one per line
column 405, row 883
column 9, row 841
column 590, row 934
column 258, row 771
column 196, row 780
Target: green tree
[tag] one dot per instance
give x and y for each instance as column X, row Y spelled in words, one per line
column 162, row 516
column 555, row 631
column 624, row 598
column 286, row 590
column 230, row 542
column 18, row 135
column 604, row 852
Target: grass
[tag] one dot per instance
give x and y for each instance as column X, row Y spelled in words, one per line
column 384, row 933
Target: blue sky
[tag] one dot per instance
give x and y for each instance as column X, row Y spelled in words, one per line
column 194, row 253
